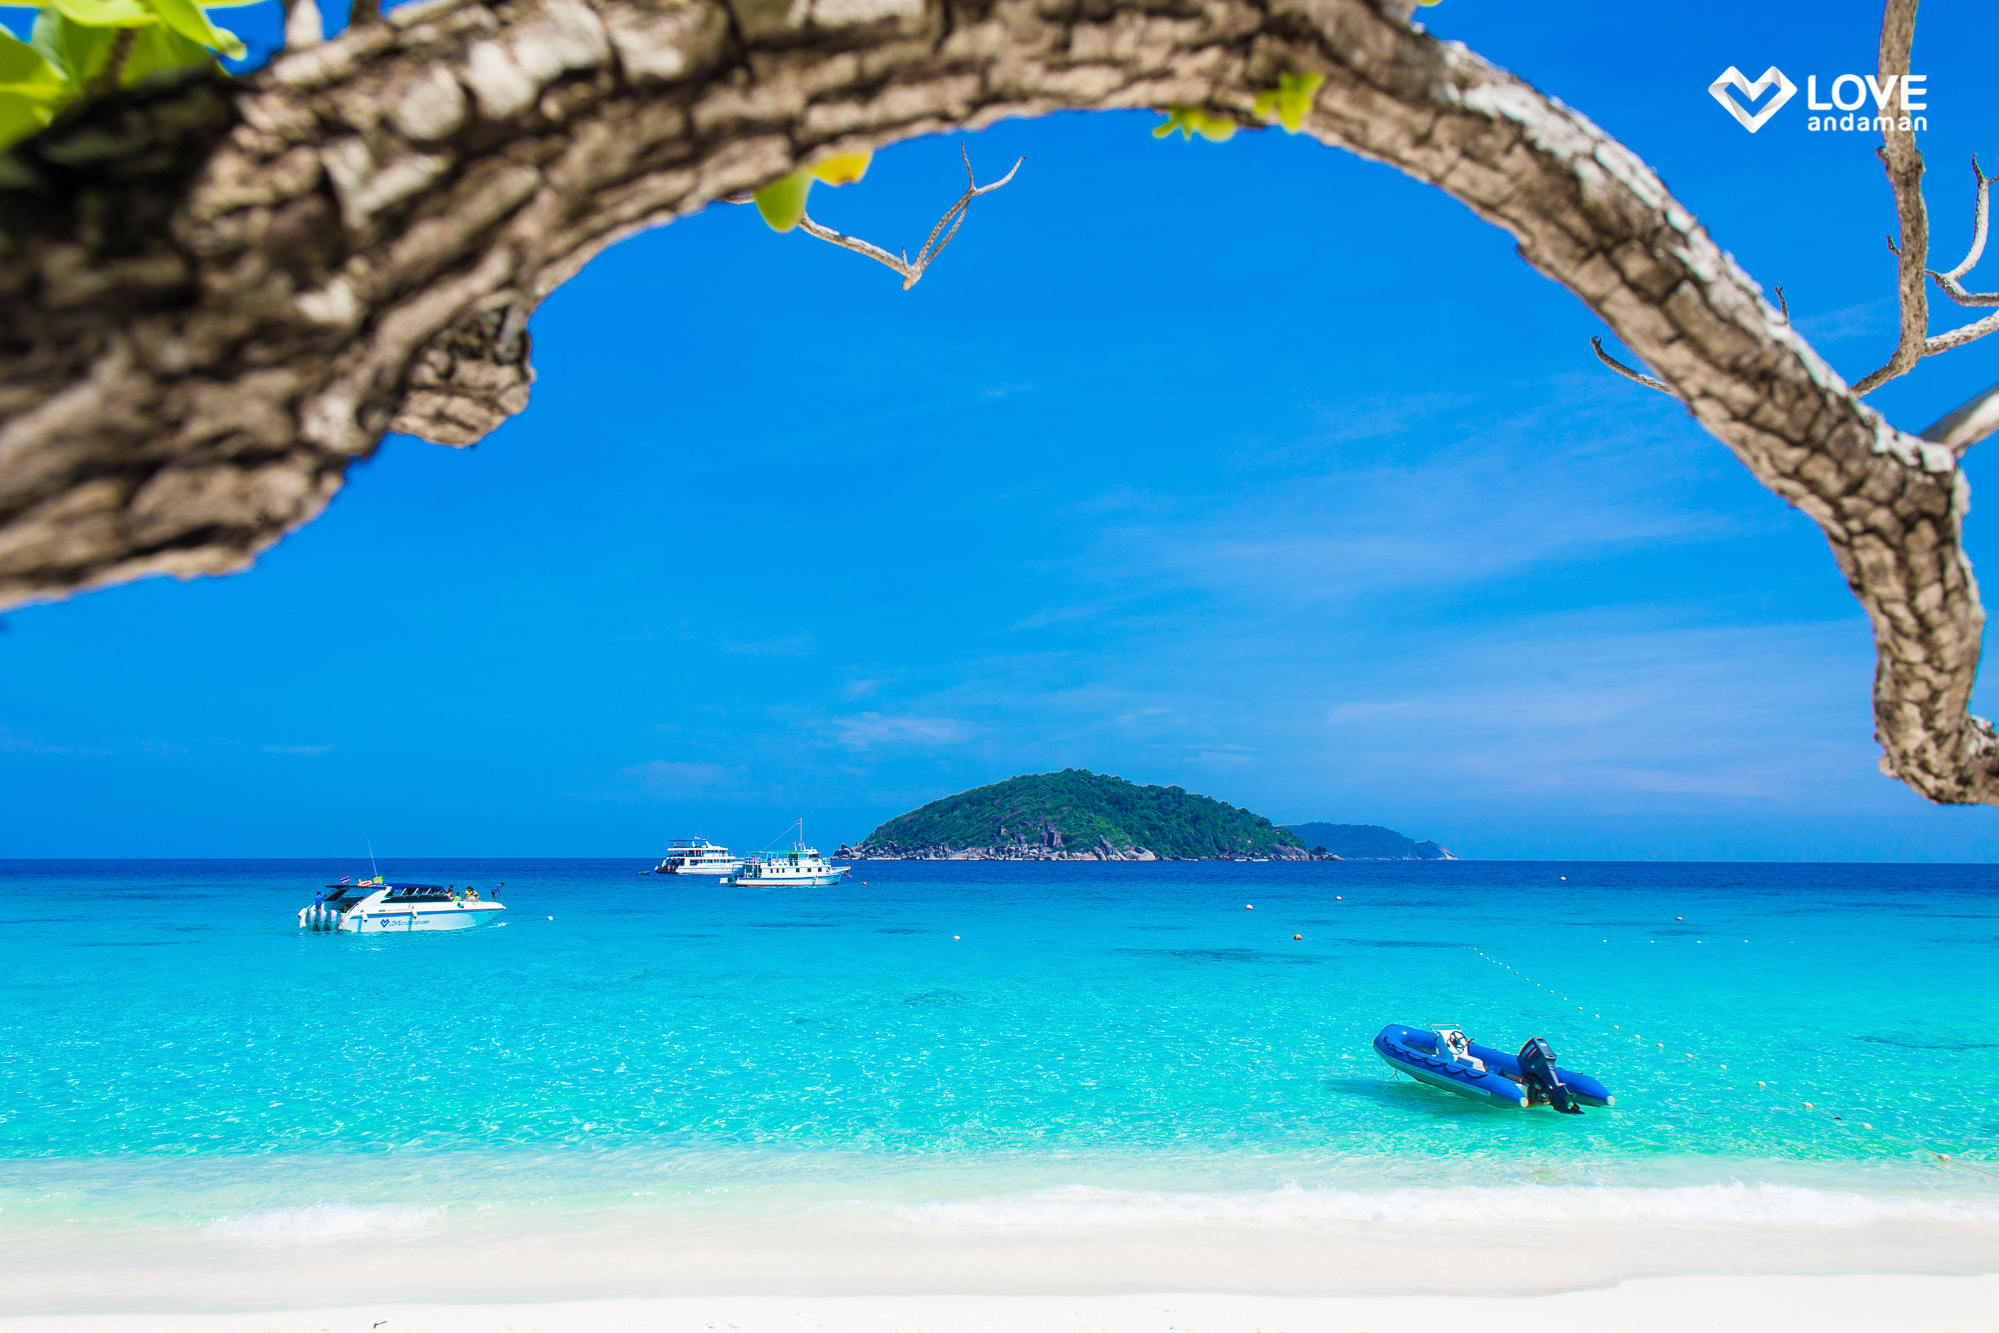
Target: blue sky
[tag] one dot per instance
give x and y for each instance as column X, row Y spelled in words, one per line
column 1250, row 467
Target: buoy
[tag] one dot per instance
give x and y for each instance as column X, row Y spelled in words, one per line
column 1565, row 879
column 1761, row 1084
column 1249, row 907
column 1865, row 1125
column 551, row 918
column 1337, row 899
column 1297, row 937
column 957, row 937
column 1808, row 1106
column 1679, row 918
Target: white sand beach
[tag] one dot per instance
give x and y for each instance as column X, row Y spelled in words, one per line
column 1863, row 1303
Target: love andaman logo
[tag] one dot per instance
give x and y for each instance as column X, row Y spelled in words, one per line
column 1904, row 90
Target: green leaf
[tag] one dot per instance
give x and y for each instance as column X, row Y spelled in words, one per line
column 104, row 13
column 843, row 169
column 1289, row 100
column 74, row 48
column 1192, row 120
column 21, row 116
column 782, row 202
column 158, row 48
column 25, row 71
column 185, row 17
column 31, row 90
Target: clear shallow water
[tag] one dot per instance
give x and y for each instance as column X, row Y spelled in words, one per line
column 972, row 1073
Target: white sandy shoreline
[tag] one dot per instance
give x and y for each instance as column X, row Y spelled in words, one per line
column 1859, row 1303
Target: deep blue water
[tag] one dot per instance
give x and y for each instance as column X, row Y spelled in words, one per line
column 967, row 1044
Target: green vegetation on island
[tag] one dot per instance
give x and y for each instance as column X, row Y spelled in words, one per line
column 1077, row 815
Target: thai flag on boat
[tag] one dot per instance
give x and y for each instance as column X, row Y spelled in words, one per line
column 346, row 879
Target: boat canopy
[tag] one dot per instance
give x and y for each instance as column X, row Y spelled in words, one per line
column 394, row 886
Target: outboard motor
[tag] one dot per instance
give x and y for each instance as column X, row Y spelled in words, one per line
column 1537, row 1062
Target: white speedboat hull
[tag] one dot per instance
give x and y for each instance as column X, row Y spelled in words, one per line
column 376, row 914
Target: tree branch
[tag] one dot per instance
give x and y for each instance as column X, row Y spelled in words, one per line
column 1904, row 165
column 279, row 269
column 1969, row 424
column 303, row 24
column 912, row 269
column 1980, row 216
column 1625, row 370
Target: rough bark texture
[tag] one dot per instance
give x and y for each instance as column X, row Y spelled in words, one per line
column 232, row 291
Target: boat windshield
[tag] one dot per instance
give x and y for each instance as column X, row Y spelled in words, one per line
column 405, row 893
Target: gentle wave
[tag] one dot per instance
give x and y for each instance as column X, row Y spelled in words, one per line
column 320, row 1219
column 1735, row 1203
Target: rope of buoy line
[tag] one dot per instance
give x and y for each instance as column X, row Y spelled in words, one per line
column 1790, row 1098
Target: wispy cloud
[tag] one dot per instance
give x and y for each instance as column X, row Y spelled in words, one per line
column 1831, row 326
column 297, row 749
column 794, row 645
column 863, row 730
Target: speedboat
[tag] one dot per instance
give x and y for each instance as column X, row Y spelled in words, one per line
column 375, row 905
column 697, row 856
column 1444, row 1058
column 801, row 865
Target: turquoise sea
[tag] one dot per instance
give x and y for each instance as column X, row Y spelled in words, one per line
column 977, row 1076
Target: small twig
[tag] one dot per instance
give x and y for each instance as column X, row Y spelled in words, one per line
column 1783, row 305
column 1625, row 370
column 113, row 73
column 1979, row 217
column 910, row 269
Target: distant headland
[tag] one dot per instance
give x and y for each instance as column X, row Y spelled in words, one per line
column 1075, row 815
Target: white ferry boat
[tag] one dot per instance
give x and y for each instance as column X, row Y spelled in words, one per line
column 697, row 856
column 801, row 865
column 375, row 905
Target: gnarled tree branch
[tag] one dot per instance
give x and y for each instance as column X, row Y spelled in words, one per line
column 232, row 290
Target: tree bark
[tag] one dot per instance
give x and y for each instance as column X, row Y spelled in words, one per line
column 233, row 290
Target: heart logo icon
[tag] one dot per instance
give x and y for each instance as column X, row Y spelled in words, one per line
column 1732, row 78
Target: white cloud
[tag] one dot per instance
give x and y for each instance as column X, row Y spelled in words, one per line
column 862, row 730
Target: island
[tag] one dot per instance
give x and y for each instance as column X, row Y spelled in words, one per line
column 1367, row 842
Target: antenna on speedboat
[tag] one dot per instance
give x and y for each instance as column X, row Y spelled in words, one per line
column 371, row 858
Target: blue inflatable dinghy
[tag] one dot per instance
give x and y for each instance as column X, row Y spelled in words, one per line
column 1443, row 1058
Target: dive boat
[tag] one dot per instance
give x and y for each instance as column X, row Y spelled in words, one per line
column 697, row 856
column 1444, row 1058
column 375, row 905
column 801, row 865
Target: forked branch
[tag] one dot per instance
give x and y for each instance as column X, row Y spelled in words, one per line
column 912, row 269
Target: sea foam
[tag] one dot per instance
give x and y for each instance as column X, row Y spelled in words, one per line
column 320, row 1219
column 1734, row 1203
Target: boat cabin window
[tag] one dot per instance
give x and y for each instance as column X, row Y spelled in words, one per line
column 411, row 893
